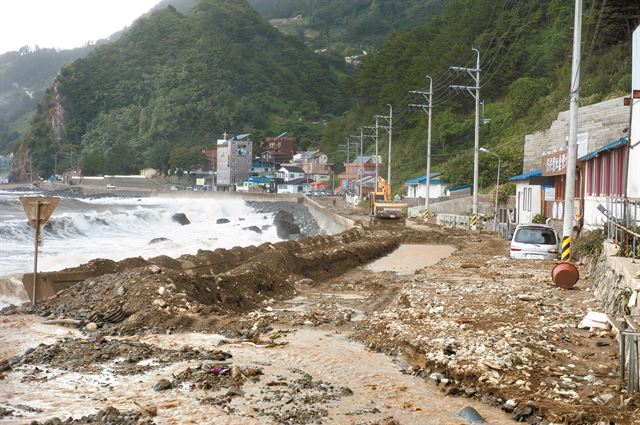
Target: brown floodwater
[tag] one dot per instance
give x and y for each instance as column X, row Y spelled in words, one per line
column 374, row 378
column 411, row 257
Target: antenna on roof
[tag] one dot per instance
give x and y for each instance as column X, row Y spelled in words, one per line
column 282, row 135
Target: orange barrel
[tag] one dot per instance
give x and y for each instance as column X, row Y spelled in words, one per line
column 565, row 275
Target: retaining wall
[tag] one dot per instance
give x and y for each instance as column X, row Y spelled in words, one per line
column 330, row 222
column 240, row 196
column 616, row 281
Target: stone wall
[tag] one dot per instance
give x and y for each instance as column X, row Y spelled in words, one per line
column 615, row 282
column 603, row 122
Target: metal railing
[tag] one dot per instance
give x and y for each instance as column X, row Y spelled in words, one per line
column 628, row 339
column 623, row 224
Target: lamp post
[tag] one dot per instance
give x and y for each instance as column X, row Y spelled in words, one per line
column 495, row 212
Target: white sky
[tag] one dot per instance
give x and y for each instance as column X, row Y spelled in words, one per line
column 64, row 23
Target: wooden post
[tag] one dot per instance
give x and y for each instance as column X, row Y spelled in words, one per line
column 35, row 257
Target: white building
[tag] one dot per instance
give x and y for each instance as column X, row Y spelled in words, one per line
column 300, row 185
column 529, row 196
column 290, row 172
column 234, row 161
column 417, row 187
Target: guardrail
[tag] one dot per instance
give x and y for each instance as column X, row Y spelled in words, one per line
column 623, row 224
column 628, row 338
column 453, row 220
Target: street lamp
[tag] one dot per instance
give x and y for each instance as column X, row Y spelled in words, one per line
column 495, row 213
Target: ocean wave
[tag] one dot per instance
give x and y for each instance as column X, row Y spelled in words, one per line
column 79, row 224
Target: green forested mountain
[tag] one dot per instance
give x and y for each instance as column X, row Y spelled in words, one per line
column 24, row 77
column 348, row 26
column 525, row 60
column 173, row 83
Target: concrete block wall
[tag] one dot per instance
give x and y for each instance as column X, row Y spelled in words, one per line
column 604, row 122
column 614, row 281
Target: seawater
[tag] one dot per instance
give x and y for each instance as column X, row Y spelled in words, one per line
column 117, row 228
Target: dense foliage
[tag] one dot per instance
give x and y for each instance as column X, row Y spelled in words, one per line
column 174, row 82
column 525, row 60
column 349, row 26
column 24, row 77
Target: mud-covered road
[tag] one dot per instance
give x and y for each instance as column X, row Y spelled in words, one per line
column 314, row 331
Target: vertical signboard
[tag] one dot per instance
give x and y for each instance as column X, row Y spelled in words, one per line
column 38, row 210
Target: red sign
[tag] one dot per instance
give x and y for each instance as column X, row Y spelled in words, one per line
column 554, row 164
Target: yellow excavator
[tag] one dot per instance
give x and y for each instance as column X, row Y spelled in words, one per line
column 382, row 205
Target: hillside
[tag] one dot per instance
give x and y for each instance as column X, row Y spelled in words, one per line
column 347, row 27
column 525, row 60
column 24, row 77
column 173, row 83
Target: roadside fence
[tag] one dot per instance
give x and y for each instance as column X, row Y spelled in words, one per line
column 628, row 331
column 623, row 224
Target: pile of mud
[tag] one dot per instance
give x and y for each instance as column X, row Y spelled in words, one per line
column 193, row 293
column 124, row 357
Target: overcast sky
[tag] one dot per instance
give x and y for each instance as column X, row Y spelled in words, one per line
column 64, row 23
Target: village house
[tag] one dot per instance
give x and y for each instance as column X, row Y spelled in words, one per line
column 417, row 187
column 601, row 159
column 361, row 168
column 280, row 150
column 300, row 185
column 290, row 172
column 315, row 164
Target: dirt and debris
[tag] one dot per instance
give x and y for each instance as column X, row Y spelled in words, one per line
column 109, row 416
column 503, row 333
column 155, row 298
column 92, row 355
column 478, row 326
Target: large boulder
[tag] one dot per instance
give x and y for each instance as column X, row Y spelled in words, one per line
column 253, row 229
column 180, row 218
column 283, row 216
column 158, row 240
column 287, row 230
column 222, row 221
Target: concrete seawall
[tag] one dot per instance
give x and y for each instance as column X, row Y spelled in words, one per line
column 615, row 282
column 240, row 196
column 330, row 222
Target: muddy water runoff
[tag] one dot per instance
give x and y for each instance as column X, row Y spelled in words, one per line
column 411, row 257
column 380, row 389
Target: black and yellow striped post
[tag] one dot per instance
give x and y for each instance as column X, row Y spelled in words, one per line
column 566, row 248
column 425, row 215
column 474, row 221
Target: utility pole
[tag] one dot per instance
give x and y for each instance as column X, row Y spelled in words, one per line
column 348, row 150
column 389, row 129
column 427, row 109
column 361, row 161
column 475, row 92
column 361, row 139
column 390, row 138
column 376, row 136
column 55, row 164
column 377, row 155
column 30, row 168
column 567, row 226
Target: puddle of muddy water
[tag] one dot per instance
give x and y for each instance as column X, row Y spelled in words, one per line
column 411, row 257
column 18, row 333
column 380, row 390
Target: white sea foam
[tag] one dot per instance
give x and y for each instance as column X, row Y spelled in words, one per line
column 118, row 228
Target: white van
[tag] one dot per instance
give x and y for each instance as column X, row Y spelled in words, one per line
column 534, row 242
